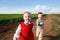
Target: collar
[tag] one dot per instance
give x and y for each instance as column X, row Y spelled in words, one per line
column 26, row 23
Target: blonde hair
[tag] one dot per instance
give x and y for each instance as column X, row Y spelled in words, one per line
column 28, row 13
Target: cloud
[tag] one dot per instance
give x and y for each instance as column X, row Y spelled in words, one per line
column 38, row 8
column 46, row 9
column 54, row 10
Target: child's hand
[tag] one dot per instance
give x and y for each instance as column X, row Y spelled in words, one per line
column 15, row 38
column 41, row 23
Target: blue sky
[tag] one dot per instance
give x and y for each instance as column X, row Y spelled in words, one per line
column 17, row 6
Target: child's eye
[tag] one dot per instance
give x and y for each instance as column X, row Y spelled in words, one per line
column 28, row 16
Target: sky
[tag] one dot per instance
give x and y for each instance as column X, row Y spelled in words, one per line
column 34, row 6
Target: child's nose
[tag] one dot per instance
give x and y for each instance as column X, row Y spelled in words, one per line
column 27, row 16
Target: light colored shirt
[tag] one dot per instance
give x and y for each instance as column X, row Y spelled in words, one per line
column 40, row 23
column 17, row 33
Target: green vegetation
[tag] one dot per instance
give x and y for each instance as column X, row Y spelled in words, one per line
column 52, row 28
column 58, row 34
column 58, row 31
column 34, row 15
column 57, row 15
column 54, row 20
column 10, row 18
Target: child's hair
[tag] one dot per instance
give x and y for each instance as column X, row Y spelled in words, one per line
column 40, row 13
column 28, row 13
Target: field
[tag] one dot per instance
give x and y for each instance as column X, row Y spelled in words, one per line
column 9, row 23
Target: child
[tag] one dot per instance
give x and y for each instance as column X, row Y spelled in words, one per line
column 40, row 26
column 24, row 30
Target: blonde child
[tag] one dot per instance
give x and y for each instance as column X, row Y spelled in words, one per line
column 40, row 26
column 24, row 30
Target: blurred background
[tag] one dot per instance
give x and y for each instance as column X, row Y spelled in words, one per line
column 11, row 14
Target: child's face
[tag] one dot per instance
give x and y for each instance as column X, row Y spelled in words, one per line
column 40, row 16
column 27, row 17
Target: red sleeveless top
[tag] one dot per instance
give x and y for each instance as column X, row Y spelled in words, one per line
column 26, row 32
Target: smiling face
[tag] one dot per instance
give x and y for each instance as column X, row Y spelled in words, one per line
column 27, row 16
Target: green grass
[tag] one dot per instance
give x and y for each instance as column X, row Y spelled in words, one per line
column 58, row 34
column 12, row 16
column 9, row 18
column 52, row 28
column 58, row 31
column 54, row 20
column 57, row 15
column 34, row 15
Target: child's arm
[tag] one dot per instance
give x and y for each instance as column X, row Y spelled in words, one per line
column 37, row 22
column 16, row 35
column 41, row 22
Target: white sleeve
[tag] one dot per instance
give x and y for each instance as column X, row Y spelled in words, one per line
column 17, row 33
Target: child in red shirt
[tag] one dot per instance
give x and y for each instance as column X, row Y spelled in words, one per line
column 24, row 30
